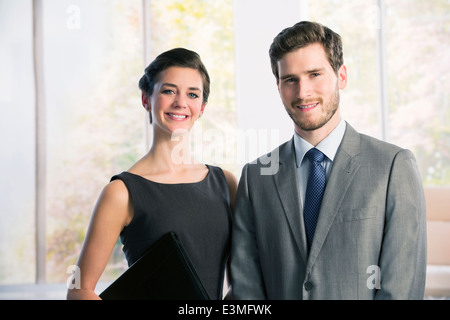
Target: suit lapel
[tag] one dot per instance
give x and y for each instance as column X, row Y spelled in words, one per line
column 287, row 188
column 345, row 166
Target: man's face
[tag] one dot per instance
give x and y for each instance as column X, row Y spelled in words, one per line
column 309, row 88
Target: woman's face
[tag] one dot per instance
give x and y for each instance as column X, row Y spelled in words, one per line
column 177, row 99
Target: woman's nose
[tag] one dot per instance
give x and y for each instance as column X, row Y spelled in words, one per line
column 181, row 101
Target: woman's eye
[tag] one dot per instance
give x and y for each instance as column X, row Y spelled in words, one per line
column 193, row 95
column 167, row 91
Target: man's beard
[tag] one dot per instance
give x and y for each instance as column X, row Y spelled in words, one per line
column 328, row 112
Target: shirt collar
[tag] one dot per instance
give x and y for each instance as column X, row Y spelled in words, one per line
column 327, row 146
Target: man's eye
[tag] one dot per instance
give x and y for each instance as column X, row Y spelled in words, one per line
column 315, row 74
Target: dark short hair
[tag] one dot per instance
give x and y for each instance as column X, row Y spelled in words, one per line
column 302, row 34
column 177, row 57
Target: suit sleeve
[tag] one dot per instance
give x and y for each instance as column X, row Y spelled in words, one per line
column 404, row 253
column 245, row 270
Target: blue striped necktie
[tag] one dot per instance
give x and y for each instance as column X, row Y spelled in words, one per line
column 314, row 192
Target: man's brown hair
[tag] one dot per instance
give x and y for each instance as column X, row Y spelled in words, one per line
column 302, row 34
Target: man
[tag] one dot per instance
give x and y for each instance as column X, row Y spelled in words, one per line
column 367, row 237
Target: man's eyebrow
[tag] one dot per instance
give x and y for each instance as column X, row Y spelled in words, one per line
column 309, row 71
column 315, row 70
column 287, row 76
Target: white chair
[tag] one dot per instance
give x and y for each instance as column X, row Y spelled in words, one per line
column 438, row 233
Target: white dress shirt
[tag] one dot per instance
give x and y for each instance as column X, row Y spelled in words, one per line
column 327, row 146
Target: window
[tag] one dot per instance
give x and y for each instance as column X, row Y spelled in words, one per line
column 94, row 52
column 205, row 26
column 17, row 127
column 93, row 55
column 406, row 103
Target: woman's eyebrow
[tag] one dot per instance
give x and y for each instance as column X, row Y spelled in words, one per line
column 168, row 84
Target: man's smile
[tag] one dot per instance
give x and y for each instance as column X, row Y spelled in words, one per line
column 307, row 107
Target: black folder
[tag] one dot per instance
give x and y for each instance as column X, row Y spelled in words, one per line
column 164, row 272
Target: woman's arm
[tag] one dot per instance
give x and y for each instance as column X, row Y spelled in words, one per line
column 232, row 186
column 111, row 214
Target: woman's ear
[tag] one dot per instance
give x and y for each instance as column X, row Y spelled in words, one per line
column 146, row 104
column 145, row 101
column 202, row 109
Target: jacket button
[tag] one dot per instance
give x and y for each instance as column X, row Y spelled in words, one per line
column 308, row 285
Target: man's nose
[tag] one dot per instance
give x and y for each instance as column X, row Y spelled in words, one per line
column 304, row 89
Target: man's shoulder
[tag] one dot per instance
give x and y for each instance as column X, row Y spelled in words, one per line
column 268, row 163
column 375, row 150
column 373, row 144
column 282, row 149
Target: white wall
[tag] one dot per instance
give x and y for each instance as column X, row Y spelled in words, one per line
column 258, row 103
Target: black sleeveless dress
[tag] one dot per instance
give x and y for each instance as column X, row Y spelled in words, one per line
column 199, row 213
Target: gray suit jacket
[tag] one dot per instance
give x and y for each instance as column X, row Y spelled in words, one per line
column 370, row 239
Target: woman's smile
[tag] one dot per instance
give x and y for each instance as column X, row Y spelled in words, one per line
column 177, row 116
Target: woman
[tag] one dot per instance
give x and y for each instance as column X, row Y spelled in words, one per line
column 160, row 193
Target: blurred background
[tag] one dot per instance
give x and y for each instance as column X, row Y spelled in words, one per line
column 71, row 115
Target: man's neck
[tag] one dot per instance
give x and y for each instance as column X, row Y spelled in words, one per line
column 314, row 137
